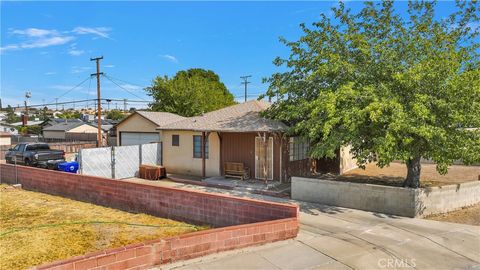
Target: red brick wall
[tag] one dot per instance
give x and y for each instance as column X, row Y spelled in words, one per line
column 250, row 222
column 183, row 247
column 190, row 206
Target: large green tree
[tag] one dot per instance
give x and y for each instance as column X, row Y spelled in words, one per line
column 190, row 92
column 394, row 87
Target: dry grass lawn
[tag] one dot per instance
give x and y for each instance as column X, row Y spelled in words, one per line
column 467, row 215
column 395, row 174
column 37, row 228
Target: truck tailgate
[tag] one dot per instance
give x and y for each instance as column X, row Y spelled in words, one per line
column 50, row 155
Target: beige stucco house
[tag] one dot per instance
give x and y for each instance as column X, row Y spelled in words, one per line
column 239, row 134
column 63, row 130
column 5, row 138
column 141, row 127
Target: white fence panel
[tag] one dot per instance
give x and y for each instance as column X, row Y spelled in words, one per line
column 119, row 161
column 96, row 161
column 127, row 161
column 151, row 153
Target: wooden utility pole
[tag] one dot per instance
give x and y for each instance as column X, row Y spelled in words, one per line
column 245, row 82
column 99, row 104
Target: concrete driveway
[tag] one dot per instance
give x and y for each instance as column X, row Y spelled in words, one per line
column 341, row 238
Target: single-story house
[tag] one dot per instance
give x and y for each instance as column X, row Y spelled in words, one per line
column 141, row 127
column 4, row 127
column 54, row 121
column 5, row 138
column 204, row 145
column 71, row 130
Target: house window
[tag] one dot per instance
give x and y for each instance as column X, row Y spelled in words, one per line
column 175, row 140
column 197, row 146
column 299, row 148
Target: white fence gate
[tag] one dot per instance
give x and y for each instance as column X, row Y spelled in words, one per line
column 119, row 162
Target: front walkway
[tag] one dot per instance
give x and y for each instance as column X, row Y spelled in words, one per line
column 341, row 238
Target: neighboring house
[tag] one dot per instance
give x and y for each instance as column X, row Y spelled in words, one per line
column 141, row 127
column 4, row 127
column 240, row 134
column 5, row 138
column 54, row 121
column 29, row 123
column 71, row 130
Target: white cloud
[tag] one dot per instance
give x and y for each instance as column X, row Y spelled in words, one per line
column 109, row 66
column 76, row 69
column 31, row 38
column 131, row 87
column 99, row 31
column 50, row 73
column 46, row 42
column 9, row 47
column 170, row 58
column 63, row 87
column 35, row 32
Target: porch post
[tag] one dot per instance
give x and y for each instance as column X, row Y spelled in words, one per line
column 203, row 155
column 221, row 155
column 265, row 147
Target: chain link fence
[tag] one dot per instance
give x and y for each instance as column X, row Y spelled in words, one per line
column 118, row 162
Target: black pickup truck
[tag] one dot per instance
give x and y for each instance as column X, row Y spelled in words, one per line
column 33, row 154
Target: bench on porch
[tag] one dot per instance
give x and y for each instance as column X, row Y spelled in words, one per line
column 236, row 169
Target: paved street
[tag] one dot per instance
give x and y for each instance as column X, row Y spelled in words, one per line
column 340, row 238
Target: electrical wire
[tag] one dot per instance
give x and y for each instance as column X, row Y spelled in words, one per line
column 123, row 88
column 73, row 88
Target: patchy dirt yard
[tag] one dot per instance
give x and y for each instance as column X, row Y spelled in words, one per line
column 395, row 174
column 467, row 215
column 37, row 228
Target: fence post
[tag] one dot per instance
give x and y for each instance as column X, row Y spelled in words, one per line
column 160, row 153
column 140, row 154
column 113, row 161
column 80, row 164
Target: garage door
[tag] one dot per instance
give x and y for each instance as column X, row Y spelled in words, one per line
column 133, row 138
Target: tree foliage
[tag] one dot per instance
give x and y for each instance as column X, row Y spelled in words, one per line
column 393, row 87
column 189, row 93
column 11, row 117
column 115, row 115
column 70, row 115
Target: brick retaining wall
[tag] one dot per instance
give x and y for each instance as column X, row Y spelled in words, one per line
column 250, row 222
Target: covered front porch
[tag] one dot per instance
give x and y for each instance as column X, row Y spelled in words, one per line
column 263, row 156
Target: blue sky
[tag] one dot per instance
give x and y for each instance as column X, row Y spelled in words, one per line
column 46, row 46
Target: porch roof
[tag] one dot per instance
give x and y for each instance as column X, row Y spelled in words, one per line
column 243, row 117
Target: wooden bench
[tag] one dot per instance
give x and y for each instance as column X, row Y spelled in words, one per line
column 237, row 170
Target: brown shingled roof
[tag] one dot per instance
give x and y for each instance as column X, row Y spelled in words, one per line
column 243, row 117
column 158, row 118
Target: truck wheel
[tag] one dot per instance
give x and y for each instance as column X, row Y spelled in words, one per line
column 28, row 162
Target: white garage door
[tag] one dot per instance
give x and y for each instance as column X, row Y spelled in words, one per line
column 133, row 138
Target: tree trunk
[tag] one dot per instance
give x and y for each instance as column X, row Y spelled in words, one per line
column 413, row 173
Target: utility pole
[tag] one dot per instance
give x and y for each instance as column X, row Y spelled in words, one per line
column 108, row 104
column 245, row 82
column 99, row 106
column 124, row 105
column 56, row 104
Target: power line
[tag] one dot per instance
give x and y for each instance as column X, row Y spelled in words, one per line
column 134, row 84
column 128, row 91
column 70, row 90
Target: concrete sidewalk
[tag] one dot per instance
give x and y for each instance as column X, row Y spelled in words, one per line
column 341, row 238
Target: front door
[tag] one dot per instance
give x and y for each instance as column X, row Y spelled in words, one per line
column 263, row 158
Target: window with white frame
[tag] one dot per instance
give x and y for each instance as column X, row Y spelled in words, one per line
column 298, row 148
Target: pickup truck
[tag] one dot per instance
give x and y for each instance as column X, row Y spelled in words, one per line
column 33, row 154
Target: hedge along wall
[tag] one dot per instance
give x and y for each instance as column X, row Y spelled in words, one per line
column 241, row 222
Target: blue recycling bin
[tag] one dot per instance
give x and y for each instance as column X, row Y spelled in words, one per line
column 71, row 167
